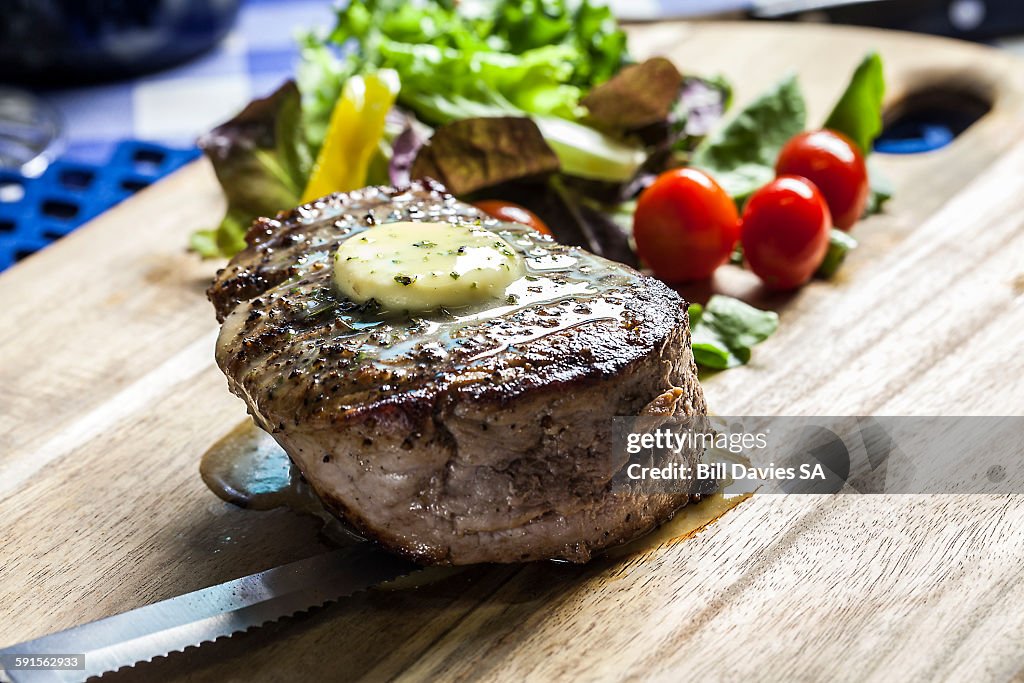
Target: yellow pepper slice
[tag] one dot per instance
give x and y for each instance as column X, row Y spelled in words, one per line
column 354, row 131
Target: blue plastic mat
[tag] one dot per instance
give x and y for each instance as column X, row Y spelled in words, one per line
column 36, row 212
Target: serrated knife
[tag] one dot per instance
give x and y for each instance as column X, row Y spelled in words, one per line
column 210, row 613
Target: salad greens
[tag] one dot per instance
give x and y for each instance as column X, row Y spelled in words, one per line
column 587, row 153
column 532, row 101
column 839, row 245
column 639, row 95
column 472, row 154
column 538, row 56
column 858, row 113
column 741, row 155
column 498, row 58
column 587, row 26
column 261, row 161
column 451, row 61
column 725, row 329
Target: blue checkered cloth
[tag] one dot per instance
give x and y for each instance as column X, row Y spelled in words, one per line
column 173, row 107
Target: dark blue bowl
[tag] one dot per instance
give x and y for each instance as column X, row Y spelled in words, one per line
column 58, row 42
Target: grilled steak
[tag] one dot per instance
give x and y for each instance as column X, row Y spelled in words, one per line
column 455, row 437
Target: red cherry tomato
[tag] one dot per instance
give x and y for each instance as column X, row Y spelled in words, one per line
column 513, row 213
column 685, row 225
column 785, row 232
column 831, row 161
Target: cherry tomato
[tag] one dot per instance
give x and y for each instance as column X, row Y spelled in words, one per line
column 831, row 161
column 785, row 232
column 513, row 213
column 685, row 225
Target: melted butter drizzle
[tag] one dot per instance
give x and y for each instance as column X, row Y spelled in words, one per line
column 562, row 288
column 247, row 467
column 526, row 338
column 687, row 522
column 560, row 297
column 695, row 517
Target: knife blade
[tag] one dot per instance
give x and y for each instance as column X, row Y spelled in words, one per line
column 210, row 613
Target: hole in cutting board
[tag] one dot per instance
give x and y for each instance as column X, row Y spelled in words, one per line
column 932, row 116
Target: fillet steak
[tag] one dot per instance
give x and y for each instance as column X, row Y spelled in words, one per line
column 456, row 436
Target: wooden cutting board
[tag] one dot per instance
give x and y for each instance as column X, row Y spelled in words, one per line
column 109, row 395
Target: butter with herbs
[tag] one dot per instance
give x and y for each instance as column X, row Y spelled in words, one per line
column 416, row 267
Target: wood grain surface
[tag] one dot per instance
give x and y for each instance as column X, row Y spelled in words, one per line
column 109, row 396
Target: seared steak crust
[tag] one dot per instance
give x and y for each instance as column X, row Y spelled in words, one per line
column 455, row 437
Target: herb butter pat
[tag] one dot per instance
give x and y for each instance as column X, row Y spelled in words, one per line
column 411, row 266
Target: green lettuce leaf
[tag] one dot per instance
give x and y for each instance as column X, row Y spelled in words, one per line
column 724, row 331
column 741, row 155
column 858, row 113
column 839, row 245
column 585, row 152
column 262, row 161
column 488, row 59
column 535, row 81
column 588, row 27
column 536, row 55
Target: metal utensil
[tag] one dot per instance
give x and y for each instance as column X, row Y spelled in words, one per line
column 205, row 615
